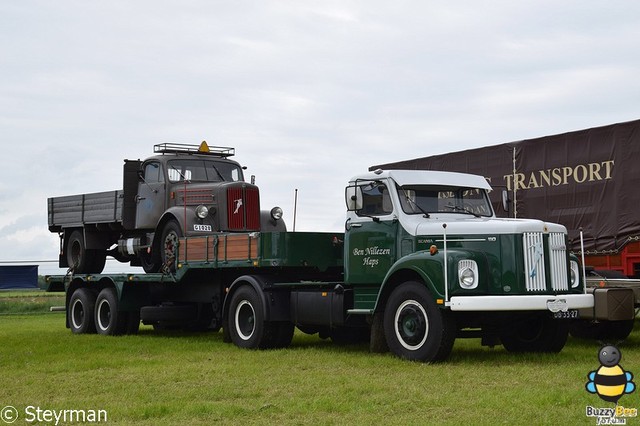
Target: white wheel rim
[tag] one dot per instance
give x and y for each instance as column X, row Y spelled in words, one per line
column 410, row 323
column 101, row 304
column 74, row 306
column 245, row 314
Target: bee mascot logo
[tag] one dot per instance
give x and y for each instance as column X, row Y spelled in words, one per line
column 610, row 381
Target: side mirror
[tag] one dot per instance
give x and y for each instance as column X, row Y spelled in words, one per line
column 506, row 202
column 353, row 198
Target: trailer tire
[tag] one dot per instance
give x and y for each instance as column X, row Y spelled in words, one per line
column 537, row 333
column 109, row 320
column 80, row 311
column 247, row 326
column 415, row 327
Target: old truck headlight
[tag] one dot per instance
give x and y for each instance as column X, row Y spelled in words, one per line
column 202, row 211
column 468, row 274
column 276, row 213
column 575, row 274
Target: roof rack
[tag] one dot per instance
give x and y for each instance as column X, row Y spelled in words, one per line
column 203, row 149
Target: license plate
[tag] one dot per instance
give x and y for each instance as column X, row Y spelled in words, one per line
column 570, row 314
column 204, row 228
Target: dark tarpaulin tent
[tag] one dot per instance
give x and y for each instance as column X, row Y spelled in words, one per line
column 22, row 276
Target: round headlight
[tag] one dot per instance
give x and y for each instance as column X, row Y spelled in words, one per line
column 276, row 213
column 468, row 274
column 202, row 211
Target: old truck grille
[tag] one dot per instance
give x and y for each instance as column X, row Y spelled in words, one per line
column 243, row 209
column 536, row 248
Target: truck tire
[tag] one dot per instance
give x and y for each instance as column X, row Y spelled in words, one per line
column 536, row 333
column 247, row 325
column 82, row 260
column 108, row 319
column 415, row 328
column 80, row 311
column 171, row 233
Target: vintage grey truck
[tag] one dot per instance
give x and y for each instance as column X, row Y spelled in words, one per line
column 422, row 261
column 184, row 190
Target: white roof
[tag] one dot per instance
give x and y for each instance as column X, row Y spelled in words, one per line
column 427, row 177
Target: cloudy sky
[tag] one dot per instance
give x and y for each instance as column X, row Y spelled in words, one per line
column 308, row 92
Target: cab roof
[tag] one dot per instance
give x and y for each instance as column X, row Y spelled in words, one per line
column 427, row 177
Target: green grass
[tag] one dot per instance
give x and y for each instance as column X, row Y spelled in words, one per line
column 155, row 379
column 28, row 301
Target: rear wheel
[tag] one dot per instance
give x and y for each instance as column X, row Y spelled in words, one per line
column 414, row 326
column 108, row 319
column 248, row 327
column 81, row 259
column 80, row 311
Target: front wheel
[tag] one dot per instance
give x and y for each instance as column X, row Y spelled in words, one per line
column 169, row 243
column 415, row 327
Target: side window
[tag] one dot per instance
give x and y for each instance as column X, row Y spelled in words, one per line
column 153, row 173
column 375, row 200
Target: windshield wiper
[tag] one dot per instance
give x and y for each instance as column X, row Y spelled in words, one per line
column 462, row 209
column 424, row 212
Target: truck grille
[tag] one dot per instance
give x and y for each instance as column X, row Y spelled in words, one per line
column 535, row 266
column 243, row 209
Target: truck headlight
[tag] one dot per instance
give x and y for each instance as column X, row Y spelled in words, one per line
column 575, row 274
column 468, row 274
column 202, row 211
column 276, row 213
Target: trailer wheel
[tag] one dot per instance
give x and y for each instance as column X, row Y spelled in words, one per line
column 415, row 328
column 109, row 320
column 536, row 333
column 171, row 235
column 247, row 325
column 80, row 311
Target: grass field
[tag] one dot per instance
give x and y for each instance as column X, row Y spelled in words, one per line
column 154, row 379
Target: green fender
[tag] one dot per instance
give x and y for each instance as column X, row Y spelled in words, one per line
column 427, row 268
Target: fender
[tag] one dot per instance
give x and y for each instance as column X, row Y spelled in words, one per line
column 429, row 268
column 258, row 283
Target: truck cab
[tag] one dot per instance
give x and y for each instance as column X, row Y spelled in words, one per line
column 439, row 230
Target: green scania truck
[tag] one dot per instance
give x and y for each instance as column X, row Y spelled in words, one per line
column 422, row 260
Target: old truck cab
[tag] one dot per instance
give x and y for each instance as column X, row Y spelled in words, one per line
column 506, row 279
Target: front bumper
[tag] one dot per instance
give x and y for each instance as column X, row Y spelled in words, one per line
column 520, row 303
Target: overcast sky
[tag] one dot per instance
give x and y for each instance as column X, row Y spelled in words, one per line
column 308, row 92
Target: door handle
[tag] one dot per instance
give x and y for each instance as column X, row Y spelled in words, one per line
column 139, row 198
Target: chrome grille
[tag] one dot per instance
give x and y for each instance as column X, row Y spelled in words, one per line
column 534, row 262
column 558, row 262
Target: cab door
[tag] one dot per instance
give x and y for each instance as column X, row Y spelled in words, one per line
column 151, row 198
column 371, row 234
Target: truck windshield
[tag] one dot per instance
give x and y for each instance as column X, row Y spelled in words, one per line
column 203, row 171
column 432, row 199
